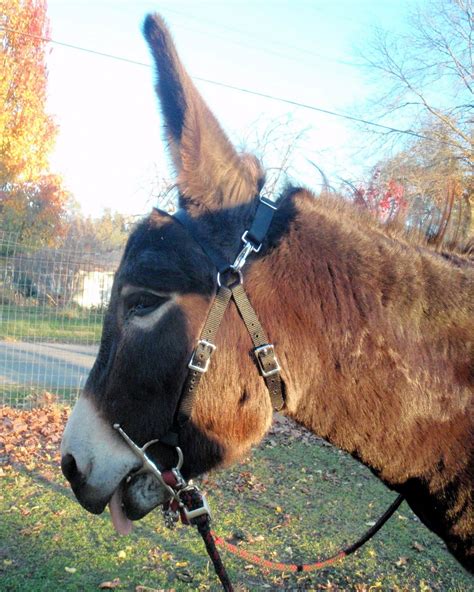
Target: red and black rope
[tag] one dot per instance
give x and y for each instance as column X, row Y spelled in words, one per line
column 192, row 499
column 306, row 567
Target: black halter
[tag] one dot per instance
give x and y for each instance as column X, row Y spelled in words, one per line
column 230, row 287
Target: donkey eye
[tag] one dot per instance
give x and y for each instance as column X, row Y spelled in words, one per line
column 142, row 303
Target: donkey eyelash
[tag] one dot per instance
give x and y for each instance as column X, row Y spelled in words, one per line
column 143, row 303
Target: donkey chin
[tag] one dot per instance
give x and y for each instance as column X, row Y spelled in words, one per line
column 142, row 494
column 103, row 470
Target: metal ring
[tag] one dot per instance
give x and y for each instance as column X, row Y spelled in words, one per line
column 235, row 272
column 180, row 458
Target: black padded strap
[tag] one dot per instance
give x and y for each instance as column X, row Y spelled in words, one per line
column 213, row 254
column 261, row 223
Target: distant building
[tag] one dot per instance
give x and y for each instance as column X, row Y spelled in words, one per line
column 92, row 288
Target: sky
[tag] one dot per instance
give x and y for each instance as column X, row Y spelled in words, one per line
column 109, row 148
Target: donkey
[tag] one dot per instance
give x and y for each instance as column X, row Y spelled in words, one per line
column 374, row 333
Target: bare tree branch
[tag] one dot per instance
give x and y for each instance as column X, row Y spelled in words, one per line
column 427, row 73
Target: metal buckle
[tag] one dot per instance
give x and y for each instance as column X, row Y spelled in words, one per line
column 264, row 350
column 195, row 366
column 203, row 509
column 248, row 248
column 268, row 202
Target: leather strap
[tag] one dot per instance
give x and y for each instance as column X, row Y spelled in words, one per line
column 201, row 357
column 263, row 350
column 200, row 360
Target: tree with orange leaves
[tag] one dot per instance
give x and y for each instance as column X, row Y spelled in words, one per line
column 32, row 200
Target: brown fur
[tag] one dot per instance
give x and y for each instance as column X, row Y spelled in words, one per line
column 207, row 162
column 374, row 332
column 375, row 337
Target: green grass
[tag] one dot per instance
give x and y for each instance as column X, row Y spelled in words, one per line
column 293, row 501
column 35, row 323
column 24, row 397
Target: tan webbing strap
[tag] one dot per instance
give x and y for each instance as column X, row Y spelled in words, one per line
column 264, row 351
column 249, row 316
column 201, row 357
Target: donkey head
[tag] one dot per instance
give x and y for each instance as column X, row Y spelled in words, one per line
column 161, row 296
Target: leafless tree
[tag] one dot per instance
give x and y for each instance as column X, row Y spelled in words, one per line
column 437, row 186
column 425, row 77
column 275, row 143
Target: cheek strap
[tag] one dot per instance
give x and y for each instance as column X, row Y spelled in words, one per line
column 229, row 280
column 263, row 351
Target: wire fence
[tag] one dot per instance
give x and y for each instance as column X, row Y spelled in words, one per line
column 52, row 303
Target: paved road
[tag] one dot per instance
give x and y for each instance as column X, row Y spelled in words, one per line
column 49, row 365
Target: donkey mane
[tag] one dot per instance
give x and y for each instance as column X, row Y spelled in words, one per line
column 347, row 212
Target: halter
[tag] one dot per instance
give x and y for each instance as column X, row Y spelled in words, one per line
column 187, row 502
column 230, row 287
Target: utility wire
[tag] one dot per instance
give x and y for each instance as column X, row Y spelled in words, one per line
column 236, row 88
column 266, row 46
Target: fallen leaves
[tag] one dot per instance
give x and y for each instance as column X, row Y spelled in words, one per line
column 286, row 432
column 110, row 585
column 117, row 583
column 184, row 575
column 33, row 530
column 141, row 588
column 31, row 438
column 247, row 481
column 402, row 562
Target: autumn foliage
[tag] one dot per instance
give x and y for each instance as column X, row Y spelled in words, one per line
column 31, row 437
column 32, row 200
column 384, row 198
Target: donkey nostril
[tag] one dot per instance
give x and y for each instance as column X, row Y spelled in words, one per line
column 68, row 466
column 70, row 470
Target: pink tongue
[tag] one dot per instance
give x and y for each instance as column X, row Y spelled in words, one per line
column 121, row 523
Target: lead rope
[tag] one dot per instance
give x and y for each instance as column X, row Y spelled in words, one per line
column 307, row 567
column 193, row 498
column 188, row 503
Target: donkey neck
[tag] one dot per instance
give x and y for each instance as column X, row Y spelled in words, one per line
column 346, row 307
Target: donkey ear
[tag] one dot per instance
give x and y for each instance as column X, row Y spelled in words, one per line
column 211, row 174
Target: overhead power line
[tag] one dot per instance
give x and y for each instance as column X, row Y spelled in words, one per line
column 264, row 48
column 237, row 88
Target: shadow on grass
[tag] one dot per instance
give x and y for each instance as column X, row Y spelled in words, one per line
column 317, row 515
column 26, row 572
